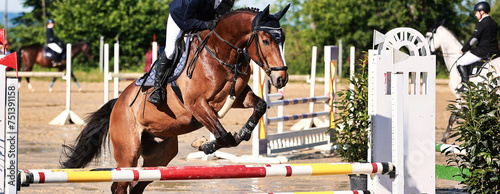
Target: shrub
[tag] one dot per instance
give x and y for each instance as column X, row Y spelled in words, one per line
column 352, row 136
column 478, row 127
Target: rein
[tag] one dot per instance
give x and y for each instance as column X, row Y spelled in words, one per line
column 235, row 68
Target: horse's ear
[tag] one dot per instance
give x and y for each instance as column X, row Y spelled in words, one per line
column 281, row 13
column 257, row 20
column 436, row 26
column 442, row 22
column 265, row 12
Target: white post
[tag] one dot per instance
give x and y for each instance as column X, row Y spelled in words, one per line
column 106, row 73
column 255, row 132
column 352, row 66
column 68, row 77
column 101, row 42
column 116, row 70
column 313, row 77
column 67, row 115
column 3, row 178
column 327, row 59
column 339, row 64
column 11, row 141
column 155, row 51
column 398, row 114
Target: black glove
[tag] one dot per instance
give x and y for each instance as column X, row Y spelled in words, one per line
column 211, row 24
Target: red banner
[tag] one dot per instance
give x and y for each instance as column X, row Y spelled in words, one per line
column 2, row 40
column 10, row 61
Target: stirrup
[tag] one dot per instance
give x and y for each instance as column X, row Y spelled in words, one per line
column 156, row 96
column 463, row 88
column 56, row 64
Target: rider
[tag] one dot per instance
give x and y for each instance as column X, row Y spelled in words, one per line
column 185, row 15
column 485, row 35
column 53, row 43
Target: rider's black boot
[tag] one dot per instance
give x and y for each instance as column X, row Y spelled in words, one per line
column 158, row 96
column 463, row 70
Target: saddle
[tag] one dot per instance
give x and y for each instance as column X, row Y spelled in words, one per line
column 52, row 55
column 180, row 58
column 475, row 69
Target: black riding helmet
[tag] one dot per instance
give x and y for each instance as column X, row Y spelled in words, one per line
column 482, row 6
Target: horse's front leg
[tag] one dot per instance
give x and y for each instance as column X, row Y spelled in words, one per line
column 247, row 99
column 76, row 82
column 204, row 114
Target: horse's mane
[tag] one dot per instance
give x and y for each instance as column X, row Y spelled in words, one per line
column 451, row 33
column 235, row 11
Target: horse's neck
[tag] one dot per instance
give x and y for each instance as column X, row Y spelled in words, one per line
column 236, row 28
column 76, row 49
column 450, row 47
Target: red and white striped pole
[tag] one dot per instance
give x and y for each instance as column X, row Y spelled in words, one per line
column 200, row 172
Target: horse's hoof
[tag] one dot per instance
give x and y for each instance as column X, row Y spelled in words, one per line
column 244, row 134
column 208, row 147
column 197, row 143
column 80, row 90
column 50, row 90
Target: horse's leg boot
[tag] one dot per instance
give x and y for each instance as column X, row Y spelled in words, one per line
column 463, row 70
column 159, row 93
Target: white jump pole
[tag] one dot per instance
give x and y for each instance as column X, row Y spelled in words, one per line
column 339, row 73
column 11, row 135
column 2, row 123
column 352, row 67
column 155, row 51
column 101, row 42
column 313, row 77
column 67, row 115
column 106, row 73
column 116, row 69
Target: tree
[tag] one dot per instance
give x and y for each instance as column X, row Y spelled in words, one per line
column 324, row 22
column 30, row 27
column 131, row 22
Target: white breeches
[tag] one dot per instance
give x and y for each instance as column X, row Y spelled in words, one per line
column 55, row 47
column 173, row 33
column 467, row 59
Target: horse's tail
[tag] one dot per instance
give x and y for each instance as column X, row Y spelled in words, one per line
column 89, row 143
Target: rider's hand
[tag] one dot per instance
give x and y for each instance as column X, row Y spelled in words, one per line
column 211, row 24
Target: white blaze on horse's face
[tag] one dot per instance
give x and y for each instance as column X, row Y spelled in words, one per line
column 282, row 52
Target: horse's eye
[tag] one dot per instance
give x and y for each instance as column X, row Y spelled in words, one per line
column 266, row 42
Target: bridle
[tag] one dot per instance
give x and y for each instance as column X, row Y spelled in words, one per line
column 235, row 68
column 262, row 61
column 431, row 42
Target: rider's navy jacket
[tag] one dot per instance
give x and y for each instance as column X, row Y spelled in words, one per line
column 192, row 14
column 50, row 36
column 486, row 35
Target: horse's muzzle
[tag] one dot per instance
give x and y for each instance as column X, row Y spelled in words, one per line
column 279, row 79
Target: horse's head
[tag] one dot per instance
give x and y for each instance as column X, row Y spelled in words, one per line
column 87, row 51
column 267, row 49
column 434, row 43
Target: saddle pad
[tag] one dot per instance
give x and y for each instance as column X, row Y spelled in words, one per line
column 177, row 71
column 48, row 53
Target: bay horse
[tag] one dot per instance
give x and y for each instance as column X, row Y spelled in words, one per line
column 440, row 37
column 34, row 53
column 138, row 128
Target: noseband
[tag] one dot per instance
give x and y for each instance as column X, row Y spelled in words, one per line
column 258, row 52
